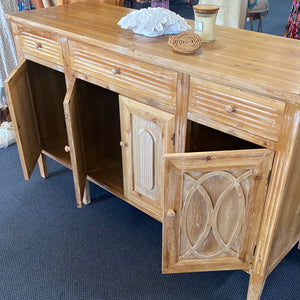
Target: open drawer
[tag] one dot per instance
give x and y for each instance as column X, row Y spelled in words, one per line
column 35, row 97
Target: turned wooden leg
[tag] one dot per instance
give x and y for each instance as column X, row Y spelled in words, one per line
column 256, row 285
column 87, row 194
column 43, row 166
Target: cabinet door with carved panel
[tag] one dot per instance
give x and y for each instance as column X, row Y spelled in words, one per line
column 147, row 133
column 212, row 210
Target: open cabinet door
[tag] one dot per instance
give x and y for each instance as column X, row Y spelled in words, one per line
column 146, row 135
column 75, row 141
column 212, row 209
column 20, row 102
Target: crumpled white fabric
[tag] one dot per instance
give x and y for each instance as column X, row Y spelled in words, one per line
column 153, row 22
column 7, row 135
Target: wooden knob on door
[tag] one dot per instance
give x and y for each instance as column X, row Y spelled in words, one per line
column 116, row 71
column 171, row 213
column 229, row 108
column 123, row 144
column 67, row 148
column 38, row 45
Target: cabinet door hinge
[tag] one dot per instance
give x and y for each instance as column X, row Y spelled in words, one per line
column 173, row 138
column 254, row 250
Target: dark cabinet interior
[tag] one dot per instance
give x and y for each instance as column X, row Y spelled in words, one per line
column 98, row 110
column 202, row 138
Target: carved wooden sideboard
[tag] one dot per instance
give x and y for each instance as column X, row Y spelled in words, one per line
column 209, row 141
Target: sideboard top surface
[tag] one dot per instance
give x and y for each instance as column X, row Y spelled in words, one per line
column 252, row 61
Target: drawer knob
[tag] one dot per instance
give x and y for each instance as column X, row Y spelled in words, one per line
column 67, row 148
column 116, row 71
column 38, row 45
column 171, row 213
column 123, row 144
column 229, row 108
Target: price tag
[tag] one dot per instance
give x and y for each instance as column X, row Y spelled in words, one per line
column 199, row 26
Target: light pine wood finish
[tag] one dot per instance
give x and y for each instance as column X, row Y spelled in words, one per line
column 92, row 116
column 270, row 249
column 19, row 98
column 158, row 83
column 20, row 56
column 230, row 102
column 287, row 229
column 72, row 116
column 37, row 112
column 183, row 83
column 87, row 194
column 48, row 3
column 260, row 116
column 47, row 47
column 202, row 189
column 43, row 166
column 113, row 2
column 146, row 134
column 229, row 60
column 41, row 44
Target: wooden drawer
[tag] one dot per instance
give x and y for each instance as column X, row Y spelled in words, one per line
column 41, row 45
column 258, row 115
column 142, row 78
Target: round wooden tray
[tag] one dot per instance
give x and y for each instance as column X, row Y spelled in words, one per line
column 185, row 42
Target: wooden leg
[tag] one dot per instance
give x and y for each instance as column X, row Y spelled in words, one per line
column 260, row 25
column 251, row 24
column 43, row 166
column 256, row 285
column 87, row 194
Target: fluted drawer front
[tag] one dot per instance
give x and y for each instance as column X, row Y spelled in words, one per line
column 41, row 45
column 142, row 78
column 258, row 115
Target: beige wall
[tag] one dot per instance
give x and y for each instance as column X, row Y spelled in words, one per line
column 232, row 13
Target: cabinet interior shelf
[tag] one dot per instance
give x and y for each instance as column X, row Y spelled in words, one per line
column 108, row 175
column 55, row 148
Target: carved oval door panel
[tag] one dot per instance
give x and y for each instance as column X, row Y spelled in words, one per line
column 146, row 135
column 146, row 145
column 216, row 200
column 212, row 213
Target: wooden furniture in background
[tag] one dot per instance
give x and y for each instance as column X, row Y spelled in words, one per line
column 38, row 4
column 47, row 3
column 192, row 140
column 113, row 2
column 257, row 11
column 4, row 114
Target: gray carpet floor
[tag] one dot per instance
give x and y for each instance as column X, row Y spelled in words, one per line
column 49, row 249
